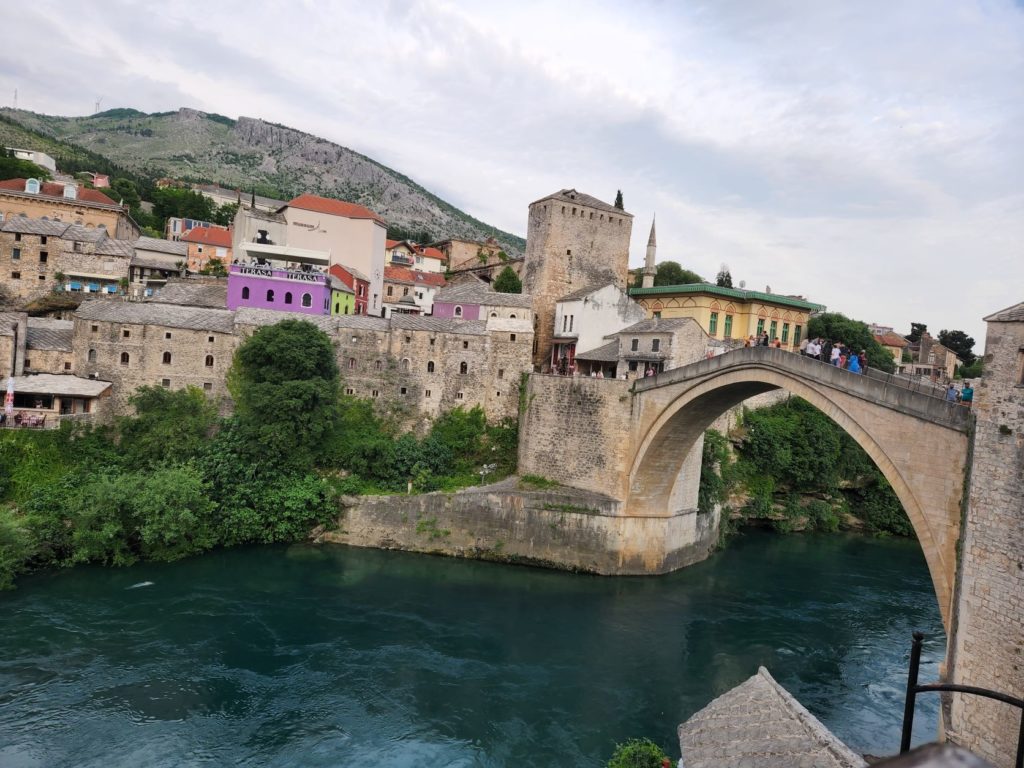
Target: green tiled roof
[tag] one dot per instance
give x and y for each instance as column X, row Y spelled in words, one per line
column 729, row 293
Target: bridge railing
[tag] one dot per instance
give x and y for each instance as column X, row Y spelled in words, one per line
column 900, row 391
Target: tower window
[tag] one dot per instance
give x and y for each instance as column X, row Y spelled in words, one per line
column 463, row 368
column 167, row 358
column 209, row 361
column 124, row 358
column 634, row 345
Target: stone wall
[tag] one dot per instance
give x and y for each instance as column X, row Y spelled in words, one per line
column 49, row 361
column 41, row 258
column 131, row 355
column 577, row 431
column 560, row 528
column 987, row 642
column 570, row 245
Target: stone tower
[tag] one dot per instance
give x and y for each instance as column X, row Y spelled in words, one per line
column 987, row 638
column 649, row 269
column 573, row 241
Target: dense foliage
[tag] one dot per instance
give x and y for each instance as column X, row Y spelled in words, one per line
column 836, row 327
column 13, row 168
column 795, row 468
column 960, row 343
column 637, row 753
column 508, row 281
column 724, row 277
column 175, row 479
column 668, row 273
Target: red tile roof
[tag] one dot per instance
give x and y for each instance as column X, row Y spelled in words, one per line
column 403, row 275
column 55, row 189
column 331, row 207
column 891, row 339
column 434, row 253
column 209, row 236
column 389, row 244
column 347, row 275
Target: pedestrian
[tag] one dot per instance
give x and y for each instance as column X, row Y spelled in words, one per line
column 854, row 364
column 764, row 339
column 749, row 342
column 836, row 352
column 863, row 360
column 967, row 395
column 951, row 394
column 804, row 345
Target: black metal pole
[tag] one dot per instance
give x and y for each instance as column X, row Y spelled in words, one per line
column 908, row 708
column 1019, row 763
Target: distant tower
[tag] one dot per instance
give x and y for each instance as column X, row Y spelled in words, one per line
column 649, row 269
column 573, row 241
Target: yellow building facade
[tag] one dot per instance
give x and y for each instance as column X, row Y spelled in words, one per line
column 731, row 313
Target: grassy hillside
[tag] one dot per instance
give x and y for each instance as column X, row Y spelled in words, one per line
column 273, row 159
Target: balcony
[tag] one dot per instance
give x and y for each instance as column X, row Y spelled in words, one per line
column 402, row 259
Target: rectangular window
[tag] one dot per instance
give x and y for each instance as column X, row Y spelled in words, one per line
column 126, row 333
column 426, row 393
column 797, row 332
column 565, row 323
column 501, row 373
column 67, row 366
column 713, row 324
column 43, row 257
column 458, row 395
column 349, row 391
column 403, row 391
column 207, row 386
column 375, row 393
column 572, row 319
column 655, row 345
column 465, row 345
column 15, row 275
column 760, row 327
column 165, row 383
column 728, row 326
column 16, row 254
column 634, row 345
column 17, row 237
column 167, row 335
column 773, row 329
column 42, row 240
column 657, row 315
column 785, row 333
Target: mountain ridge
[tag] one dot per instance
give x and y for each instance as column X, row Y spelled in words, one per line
column 252, row 153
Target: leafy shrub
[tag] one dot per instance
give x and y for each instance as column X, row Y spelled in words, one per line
column 637, row 753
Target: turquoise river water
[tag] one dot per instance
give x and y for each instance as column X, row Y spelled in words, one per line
column 336, row 656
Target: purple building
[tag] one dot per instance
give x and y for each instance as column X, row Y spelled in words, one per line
column 286, row 290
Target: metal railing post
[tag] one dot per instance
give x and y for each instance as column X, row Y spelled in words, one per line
column 908, row 708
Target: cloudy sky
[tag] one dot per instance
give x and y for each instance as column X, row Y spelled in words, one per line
column 867, row 155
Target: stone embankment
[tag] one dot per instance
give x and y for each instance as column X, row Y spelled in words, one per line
column 563, row 528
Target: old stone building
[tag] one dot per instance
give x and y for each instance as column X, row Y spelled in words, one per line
column 154, row 262
column 38, row 256
column 68, row 203
column 416, row 367
column 584, row 318
column 648, row 347
column 987, row 639
column 573, row 241
column 134, row 344
column 48, row 345
column 484, row 259
column 470, row 298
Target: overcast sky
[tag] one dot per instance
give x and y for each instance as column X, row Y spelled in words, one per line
column 867, row 155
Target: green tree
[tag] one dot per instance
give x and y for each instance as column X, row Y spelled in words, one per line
column 837, row 327
column 284, row 381
column 972, row 371
column 724, row 278
column 669, row 273
column 124, row 190
column 916, row 331
column 215, row 268
column 960, row 343
column 181, row 203
column 13, row 168
column 225, row 214
column 618, row 200
column 170, row 426
column 508, row 281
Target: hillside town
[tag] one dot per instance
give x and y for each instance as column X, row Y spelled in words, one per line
column 94, row 309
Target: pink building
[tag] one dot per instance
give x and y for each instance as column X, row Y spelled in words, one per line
column 285, row 290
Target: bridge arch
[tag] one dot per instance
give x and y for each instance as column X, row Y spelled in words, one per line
column 923, row 461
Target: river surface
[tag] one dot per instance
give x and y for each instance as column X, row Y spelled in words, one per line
column 336, row 656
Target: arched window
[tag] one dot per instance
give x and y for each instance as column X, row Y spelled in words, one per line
column 458, row 311
column 378, row 365
column 288, row 297
column 463, row 367
column 512, row 316
column 430, row 366
column 307, row 300
column 270, row 296
column 405, row 363
column 124, row 358
column 494, row 314
column 209, row 361
column 351, row 363
column 167, row 358
column 92, row 355
column 245, row 292
column 32, row 186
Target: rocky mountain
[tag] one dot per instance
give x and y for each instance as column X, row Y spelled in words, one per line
column 246, row 153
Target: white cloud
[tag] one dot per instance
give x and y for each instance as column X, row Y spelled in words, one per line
column 866, row 156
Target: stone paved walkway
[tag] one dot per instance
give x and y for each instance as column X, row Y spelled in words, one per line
column 760, row 725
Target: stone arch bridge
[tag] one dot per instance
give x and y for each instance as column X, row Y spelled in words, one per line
column 640, row 444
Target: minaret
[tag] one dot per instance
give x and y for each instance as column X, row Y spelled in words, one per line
column 649, row 269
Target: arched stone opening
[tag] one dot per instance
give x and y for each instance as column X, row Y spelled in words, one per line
column 665, row 473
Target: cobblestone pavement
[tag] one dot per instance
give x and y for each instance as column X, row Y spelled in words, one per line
column 759, row 724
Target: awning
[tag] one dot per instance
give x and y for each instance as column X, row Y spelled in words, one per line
column 94, row 287
column 76, row 286
column 111, row 289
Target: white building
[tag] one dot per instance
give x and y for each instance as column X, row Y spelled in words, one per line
column 39, row 158
column 584, row 318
